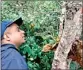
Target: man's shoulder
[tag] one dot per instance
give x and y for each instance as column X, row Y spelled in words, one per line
column 11, row 56
column 9, row 51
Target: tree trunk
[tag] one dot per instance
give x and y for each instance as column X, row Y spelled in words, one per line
column 70, row 29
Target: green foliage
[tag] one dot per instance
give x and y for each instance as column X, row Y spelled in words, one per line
column 80, row 68
column 36, row 59
column 74, row 65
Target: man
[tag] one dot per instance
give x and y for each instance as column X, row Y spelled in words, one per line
column 11, row 38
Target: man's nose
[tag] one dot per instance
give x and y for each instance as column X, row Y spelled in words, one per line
column 22, row 31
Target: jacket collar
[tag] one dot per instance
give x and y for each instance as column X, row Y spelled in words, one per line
column 6, row 46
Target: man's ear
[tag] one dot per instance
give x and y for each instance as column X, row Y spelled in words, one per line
column 7, row 36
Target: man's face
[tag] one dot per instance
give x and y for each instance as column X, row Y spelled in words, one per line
column 16, row 35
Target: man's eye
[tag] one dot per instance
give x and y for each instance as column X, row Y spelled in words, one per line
column 18, row 30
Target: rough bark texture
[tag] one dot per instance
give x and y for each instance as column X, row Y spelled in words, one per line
column 70, row 29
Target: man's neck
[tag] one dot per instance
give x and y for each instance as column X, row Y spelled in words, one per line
column 8, row 42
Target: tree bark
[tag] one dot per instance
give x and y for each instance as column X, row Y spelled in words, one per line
column 70, row 29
